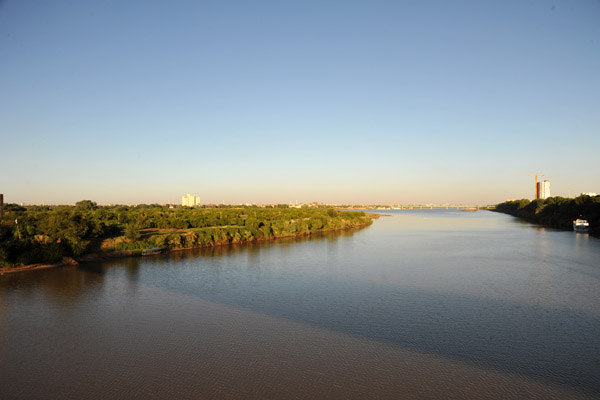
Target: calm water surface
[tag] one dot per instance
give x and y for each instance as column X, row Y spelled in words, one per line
column 422, row 304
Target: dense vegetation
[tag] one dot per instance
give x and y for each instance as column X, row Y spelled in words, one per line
column 557, row 212
column 47, row 234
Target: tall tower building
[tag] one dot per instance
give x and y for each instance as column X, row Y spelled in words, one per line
column 543, row 190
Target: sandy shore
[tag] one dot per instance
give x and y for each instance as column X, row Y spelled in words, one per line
column 66, row 261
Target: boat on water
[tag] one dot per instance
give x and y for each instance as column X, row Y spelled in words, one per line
column 149, row 252
column 581, row 225
column 472, row 209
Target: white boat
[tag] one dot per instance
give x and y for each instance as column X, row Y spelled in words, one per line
column 149, row 252
column 581, row 225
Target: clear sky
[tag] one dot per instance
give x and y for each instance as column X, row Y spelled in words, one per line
column 278, row 101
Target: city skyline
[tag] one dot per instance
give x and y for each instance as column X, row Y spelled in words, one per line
column 347, row 103
column 542, row 191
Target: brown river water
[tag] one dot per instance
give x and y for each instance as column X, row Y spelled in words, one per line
column 423, row 304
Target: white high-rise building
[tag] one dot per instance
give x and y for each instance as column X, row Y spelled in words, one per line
column 543, row 190
column 190, row 200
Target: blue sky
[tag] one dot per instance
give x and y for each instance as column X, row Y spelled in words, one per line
column 276, row 101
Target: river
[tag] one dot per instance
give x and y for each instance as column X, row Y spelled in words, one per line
column 422, row 304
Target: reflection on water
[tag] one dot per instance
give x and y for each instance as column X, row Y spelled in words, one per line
column 422, row 304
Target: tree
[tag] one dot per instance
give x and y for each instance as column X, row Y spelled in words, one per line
column 86, row 205
column 132, row 230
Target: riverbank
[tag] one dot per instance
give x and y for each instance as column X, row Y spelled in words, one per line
column 107, row 255
column 556, row 212
column 67, row 262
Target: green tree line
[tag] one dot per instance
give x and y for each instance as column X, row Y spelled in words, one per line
column 557, row 212
column 48, row 233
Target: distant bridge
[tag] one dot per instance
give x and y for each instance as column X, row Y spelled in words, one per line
column 422, row 207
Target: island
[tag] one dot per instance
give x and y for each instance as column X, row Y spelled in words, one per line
column 42, row 236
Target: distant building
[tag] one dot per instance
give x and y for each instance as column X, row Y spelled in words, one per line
column 543, row 190
column 190, row 200
column 591, row 194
